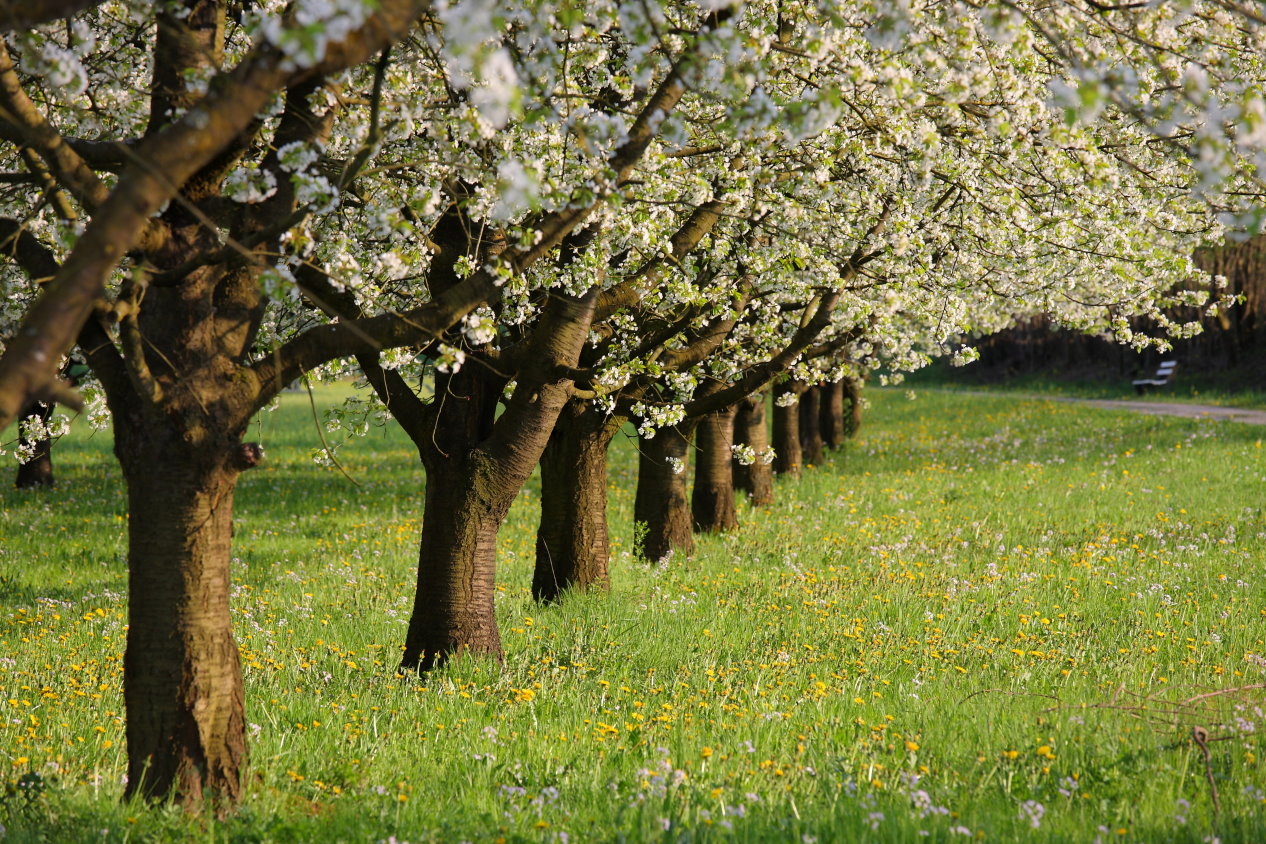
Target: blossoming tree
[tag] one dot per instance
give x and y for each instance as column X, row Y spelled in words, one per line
column 535, row 202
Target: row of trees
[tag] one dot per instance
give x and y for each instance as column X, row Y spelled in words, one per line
column 529, row 223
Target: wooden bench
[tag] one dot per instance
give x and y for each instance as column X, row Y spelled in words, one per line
column 1164, row 374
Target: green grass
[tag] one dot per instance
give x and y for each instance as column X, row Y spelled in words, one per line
column 1008, row 600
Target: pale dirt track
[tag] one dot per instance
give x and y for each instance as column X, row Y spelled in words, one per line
column 1191, row 411
column 1156, row 408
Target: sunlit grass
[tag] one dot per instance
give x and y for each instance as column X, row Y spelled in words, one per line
column 973, row 623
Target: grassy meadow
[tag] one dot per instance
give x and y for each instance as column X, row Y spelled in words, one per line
column 985, row 619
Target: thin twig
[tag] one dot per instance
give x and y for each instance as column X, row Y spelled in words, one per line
column 1201, row 737
column 329, row 452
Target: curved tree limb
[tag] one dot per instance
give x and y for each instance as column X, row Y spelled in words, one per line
column 25, row 119
column 23, row 14
column 40, row 264
column 163, row 163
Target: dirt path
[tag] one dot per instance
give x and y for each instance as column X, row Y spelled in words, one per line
column 1179, row 409
column 1243, row 415
column 1191, row 411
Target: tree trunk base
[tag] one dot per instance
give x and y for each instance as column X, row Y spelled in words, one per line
column 182, row 678
column 787, row 455
column 661, row 508
column 37, row 472
column 756, row 478
column 811, row 446
column 712, row 502
column 572, row 542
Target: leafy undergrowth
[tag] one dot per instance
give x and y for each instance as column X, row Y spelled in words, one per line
column 985, row 619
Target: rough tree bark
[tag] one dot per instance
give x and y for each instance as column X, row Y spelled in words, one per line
column 182, row 678
column 853, row 399
column 712, row 501
column 38, row 470
column 787, row 456
column 811, row 446
column 662, row 506
column 831, row 418
column 572, row 542
column 476, row 463
column 757, row 480
column 466, row 501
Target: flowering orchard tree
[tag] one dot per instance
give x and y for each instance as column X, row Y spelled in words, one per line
column 589, row 101
column 136, row 221
column 510, row 195
column 164, row 231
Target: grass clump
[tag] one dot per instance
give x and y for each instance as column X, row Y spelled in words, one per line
column 983, row 619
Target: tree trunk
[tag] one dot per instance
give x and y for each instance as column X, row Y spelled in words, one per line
column 757, row 480
column 38, row 470
column 572, row 543
column 661, row 507
column 453, row 603
column 464, row 505
column 810, row 432
column 831, row 417
column 787, row 459
column 712, row 502
column 476, row 463
column 853, row 397
column 182, row 677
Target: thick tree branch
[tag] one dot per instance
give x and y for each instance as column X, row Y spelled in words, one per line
column 163, row 163
column 109, row 156
column 25, row 119
column 40, row 264
column 761, row 374
column 394, row 392
column 348, row 338
column 24, row 14
column 26, row 250
column 710, row 338
column 543, row 385
column 630, row 291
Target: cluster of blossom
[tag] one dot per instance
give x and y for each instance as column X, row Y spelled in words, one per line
column 787, row 399
column 747, row 456
column 480, row 327
column 312, row 27
column 449, row 359
column 653, row 417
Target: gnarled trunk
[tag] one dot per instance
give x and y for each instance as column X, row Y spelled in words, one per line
column 853, row 398
column 831, row 416
column 712, row 501
column 453, row 603
column 464, row 505
column 662, row 507
column 756, row 479
column 787, row 459
column 810, row 432
column 182, row 678
column 476, row 463
column 38, row 470
column 572, row 542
